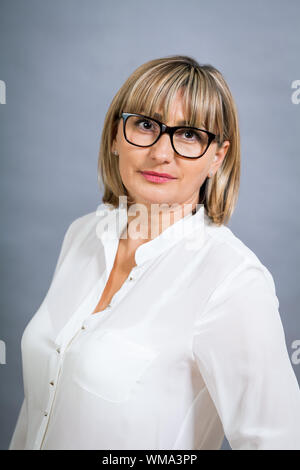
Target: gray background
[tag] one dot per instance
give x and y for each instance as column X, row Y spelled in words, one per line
column 62, row 62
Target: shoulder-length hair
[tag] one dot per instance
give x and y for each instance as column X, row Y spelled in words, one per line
column 207, row 100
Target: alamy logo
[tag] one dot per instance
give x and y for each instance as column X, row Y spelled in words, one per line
column 2, row 92
column 296, row 94
column 296, row 353
column 170, row 217
column 2, row 352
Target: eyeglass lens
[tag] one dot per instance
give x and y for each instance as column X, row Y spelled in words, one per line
column 187, row 141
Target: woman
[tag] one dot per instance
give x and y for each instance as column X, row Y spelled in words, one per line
column 160, row 329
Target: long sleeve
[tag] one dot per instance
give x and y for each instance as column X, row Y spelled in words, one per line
column 240, row 349
column 18, row 439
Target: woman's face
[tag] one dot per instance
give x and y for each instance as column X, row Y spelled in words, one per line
column 189, row 174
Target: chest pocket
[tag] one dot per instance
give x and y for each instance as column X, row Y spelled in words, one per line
column 111, row 366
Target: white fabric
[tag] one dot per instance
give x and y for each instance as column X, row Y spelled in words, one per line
column 192, row 346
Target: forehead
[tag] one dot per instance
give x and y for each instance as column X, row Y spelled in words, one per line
column 174, row 113
column 179, row 122
column 173, row 108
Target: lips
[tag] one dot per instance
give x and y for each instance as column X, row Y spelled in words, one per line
column 154, row 177
column 160, row 175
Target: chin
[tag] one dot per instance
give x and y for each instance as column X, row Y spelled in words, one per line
column 154, row 199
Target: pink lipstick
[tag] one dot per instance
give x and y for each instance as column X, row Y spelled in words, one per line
column 155, row 177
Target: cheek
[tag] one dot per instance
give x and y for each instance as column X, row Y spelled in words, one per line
column 127, row 165
column 123, row 169
column 194, row 174
column 131, row 159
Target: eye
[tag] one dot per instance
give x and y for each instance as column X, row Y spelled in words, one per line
column 190, row 135
column 145, row 124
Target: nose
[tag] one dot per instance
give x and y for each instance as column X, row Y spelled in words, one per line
column 162, row 149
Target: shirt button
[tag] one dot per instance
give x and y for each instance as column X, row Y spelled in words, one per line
column 45, row 413
column 83, row 327
column 131, row 278
column 51, row 383
column 58, row 350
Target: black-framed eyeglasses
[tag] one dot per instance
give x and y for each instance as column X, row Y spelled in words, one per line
column 186, row 141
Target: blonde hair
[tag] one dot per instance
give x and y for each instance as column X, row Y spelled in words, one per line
column 208, row 102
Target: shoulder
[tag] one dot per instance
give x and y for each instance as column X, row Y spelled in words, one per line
column 241, row 261
column 80, row 237
column 80, row 226
column 223, row 235
column 86, row 224
column 243, row 292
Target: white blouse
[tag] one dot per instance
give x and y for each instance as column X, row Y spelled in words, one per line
column 191, row 347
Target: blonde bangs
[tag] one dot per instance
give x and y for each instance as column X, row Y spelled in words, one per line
column 156, row 89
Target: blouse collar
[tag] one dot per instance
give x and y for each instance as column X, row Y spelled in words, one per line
column 190, row 228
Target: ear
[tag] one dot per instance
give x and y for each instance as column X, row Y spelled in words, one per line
column 220, row 154
column 113, row 145
column 114, row 142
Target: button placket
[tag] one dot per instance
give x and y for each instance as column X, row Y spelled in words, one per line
column 125, row 288
column 134, row 273
column 52, row 392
